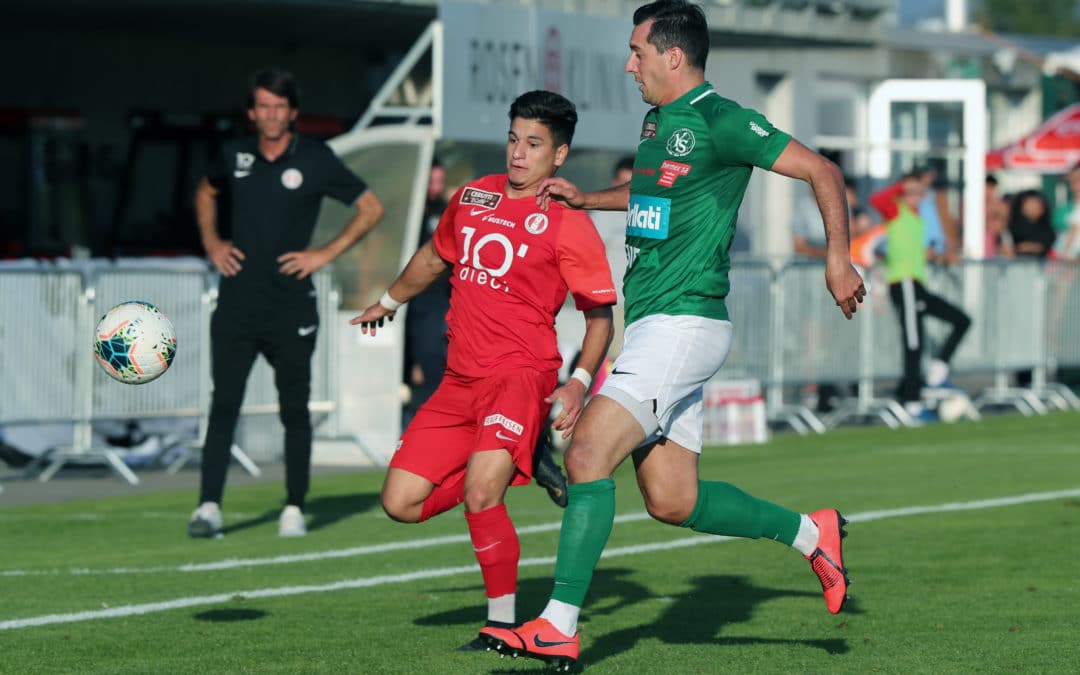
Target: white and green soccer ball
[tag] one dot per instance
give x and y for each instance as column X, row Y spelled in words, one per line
column 134, row 342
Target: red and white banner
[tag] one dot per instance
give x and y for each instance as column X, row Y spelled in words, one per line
column 1054, row 147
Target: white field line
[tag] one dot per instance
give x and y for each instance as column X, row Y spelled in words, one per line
column 367, row 582
column 233, row 563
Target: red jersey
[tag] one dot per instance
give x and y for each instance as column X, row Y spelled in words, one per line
column 512, row 267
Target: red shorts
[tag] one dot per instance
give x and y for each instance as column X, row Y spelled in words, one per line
column 469, row 414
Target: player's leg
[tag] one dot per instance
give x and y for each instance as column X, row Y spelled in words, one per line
column 232, row 353
column 427, row 473
column 960, row 322
column 510, row 411
column 289, row 353
column 911, row 338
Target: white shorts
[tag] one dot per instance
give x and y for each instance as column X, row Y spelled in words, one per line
column 659, row 374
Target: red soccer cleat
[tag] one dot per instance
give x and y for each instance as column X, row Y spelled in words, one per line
column 541, row 640
column 827, row 560
column 502, row 639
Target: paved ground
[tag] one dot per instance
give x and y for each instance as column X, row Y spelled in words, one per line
column 93, row 482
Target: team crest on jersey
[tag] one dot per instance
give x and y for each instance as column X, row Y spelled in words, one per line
column 681, row 143
column 536, row 223
column 648, row 129
column 292, row 178
column 475, row 197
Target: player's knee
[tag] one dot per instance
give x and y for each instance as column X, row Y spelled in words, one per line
column 670, row 509
column 481, row 495
column 400, row 507
column 582, row 464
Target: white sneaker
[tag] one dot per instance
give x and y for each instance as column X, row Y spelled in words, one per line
column 205, row 521
column 291, row 523
column 937, row 373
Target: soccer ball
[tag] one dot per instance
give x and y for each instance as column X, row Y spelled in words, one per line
column 953, row 408
column 134, row 342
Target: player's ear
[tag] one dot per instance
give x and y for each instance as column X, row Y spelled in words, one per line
column 561, row 153
column 675, row 57
column 251, row 114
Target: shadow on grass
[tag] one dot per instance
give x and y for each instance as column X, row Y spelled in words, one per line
column 229, row 615
column 321, row 512
column 698, row 616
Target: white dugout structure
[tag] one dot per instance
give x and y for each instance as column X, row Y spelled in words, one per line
column 788, row 332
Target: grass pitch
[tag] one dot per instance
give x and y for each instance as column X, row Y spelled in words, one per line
column 963, row 553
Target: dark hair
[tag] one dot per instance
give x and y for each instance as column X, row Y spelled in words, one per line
column 278, row 82
column 849, row 181
column 625, row 163
column 554, row 111
column 991, row 179
column 677, row 23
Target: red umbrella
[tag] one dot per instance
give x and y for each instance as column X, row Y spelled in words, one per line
column 1054, row 147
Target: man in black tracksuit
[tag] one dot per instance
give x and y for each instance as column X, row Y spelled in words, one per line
column 275, row 183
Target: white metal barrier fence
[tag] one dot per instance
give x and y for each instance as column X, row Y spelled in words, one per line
column 50, row 375
column 788, row 332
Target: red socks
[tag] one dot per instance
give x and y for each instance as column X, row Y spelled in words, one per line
column 497, row 548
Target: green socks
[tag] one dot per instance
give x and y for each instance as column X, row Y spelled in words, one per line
column 724, row 509
column 586, row 526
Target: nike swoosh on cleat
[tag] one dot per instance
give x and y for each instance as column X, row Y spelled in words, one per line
column 544, row 643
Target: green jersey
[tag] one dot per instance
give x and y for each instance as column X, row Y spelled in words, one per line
column 692, row 167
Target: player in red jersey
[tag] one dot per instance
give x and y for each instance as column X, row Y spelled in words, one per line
column 512, row 265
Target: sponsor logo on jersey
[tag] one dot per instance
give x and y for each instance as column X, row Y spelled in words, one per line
column 756, row 128
column 670, row 170
column 648, row 217
column 505, row 422
column 496, row 220
column 648, row 129
column 292, row 178
column 475, row 197
column 681, row 143
column 244, row 162
column 536, row 223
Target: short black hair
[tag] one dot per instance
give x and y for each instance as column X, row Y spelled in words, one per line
column 625, row 163
column 554, row 111
column 278, row 82
column 677, row 23
column 991, row 179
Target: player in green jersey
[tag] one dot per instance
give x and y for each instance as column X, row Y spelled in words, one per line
column 694, row 159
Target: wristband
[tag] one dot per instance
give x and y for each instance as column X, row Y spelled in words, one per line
column 582, row 376
column 389, row 303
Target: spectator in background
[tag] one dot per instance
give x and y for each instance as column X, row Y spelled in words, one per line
column 941, row 238
column 808, row 230
column 1069, row 248
column 997, row 240
column 905, row 263
column 425, row 322
column 275, row 182
column 1029, row 225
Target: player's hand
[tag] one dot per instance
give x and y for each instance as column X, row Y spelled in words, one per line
column 225, row 256
column 846, row 286
column 560, row 190
column 372, row 318
column 567, row 402
column 301, row 264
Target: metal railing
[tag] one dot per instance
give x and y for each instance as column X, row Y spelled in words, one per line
column 50, row 375
column 788, row 333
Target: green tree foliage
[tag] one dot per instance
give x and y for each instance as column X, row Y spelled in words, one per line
column 1035, row 17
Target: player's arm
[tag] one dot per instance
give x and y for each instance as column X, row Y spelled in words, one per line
column 225, row 257
column 422, row 270
column 369, row 211
column 615, row 198
column 824, row 177
column 569, row 399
